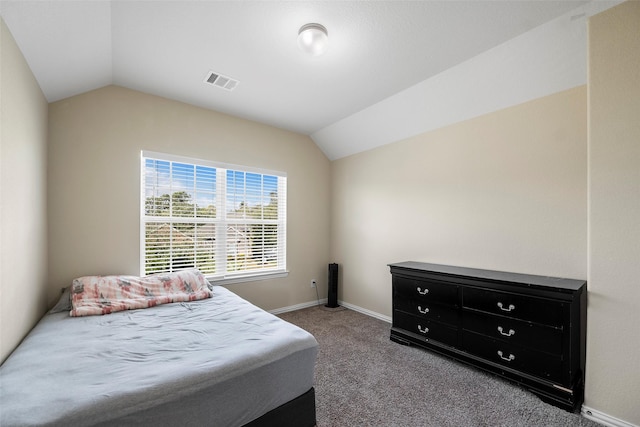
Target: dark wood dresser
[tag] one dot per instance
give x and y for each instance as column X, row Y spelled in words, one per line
column 528, row 329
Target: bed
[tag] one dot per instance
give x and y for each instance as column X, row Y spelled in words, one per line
column 218, row 361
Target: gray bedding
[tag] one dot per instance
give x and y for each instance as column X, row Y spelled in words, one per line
column 216, row 362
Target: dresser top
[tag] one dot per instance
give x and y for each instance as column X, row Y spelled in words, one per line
column 525, row 279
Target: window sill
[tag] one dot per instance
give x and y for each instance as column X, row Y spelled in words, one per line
column 230, row 280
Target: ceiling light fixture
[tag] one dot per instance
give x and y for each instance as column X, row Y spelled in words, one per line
column 313, row 39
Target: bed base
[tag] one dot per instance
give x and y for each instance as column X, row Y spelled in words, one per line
column 299, row 412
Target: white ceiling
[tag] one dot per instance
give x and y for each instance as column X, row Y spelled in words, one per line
column 166, row 48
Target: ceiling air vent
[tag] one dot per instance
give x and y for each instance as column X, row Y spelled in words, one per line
column 224, row 82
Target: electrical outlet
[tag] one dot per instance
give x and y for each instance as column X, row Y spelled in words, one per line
column 313, row 283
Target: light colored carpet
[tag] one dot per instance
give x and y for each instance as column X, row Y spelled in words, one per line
column 364, row 379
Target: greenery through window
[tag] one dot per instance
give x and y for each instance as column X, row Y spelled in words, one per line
column 224, row 220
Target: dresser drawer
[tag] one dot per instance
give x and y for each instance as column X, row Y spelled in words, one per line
column 526, row 334
column 427, row 310
column 430, row 330
column 425, row 290
column 540, row 310
column 536, row 363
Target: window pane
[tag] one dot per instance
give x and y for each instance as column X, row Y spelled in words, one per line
column 237, row 247
column 183, row 177
column 243, row 237
column 157, row 187
column 206, row 205
column 205, row 178
column 270, row 195
column 183, row 246
column 252, row 247
column 205, row 192
column 270, row 251
column 235, row 194
column 205, row 238
column 264, row 245
column 254, row 189
column 182, row 204
column 157, row 173
column 157, row 248
column 157, row 202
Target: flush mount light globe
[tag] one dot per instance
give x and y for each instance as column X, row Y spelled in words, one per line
column 313, row 39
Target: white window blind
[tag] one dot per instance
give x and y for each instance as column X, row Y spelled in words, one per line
column 227, row 221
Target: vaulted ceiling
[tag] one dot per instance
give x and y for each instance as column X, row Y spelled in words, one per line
column 167, row 48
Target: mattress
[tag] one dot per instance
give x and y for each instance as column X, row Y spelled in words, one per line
column 219, row 361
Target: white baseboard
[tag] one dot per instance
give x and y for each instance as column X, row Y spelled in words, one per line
column 298, row 306
column 604, row 419
column 365, row 311
column 324, row 301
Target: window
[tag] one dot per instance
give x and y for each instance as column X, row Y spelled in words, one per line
column 227, row 221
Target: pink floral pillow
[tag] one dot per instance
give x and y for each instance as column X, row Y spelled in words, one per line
column 92, row 295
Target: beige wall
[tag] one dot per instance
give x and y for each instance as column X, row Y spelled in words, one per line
column 23, row 225
column 94, row 184
column 504, row 191
column 613, row 342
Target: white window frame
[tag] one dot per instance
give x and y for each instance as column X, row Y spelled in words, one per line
column 221, row 221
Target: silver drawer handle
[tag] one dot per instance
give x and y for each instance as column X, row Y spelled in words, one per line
column 424, row 331
column 501, row 307
column 507, row 334
column 508, row 359
column 421, row 292
column 425, row 311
